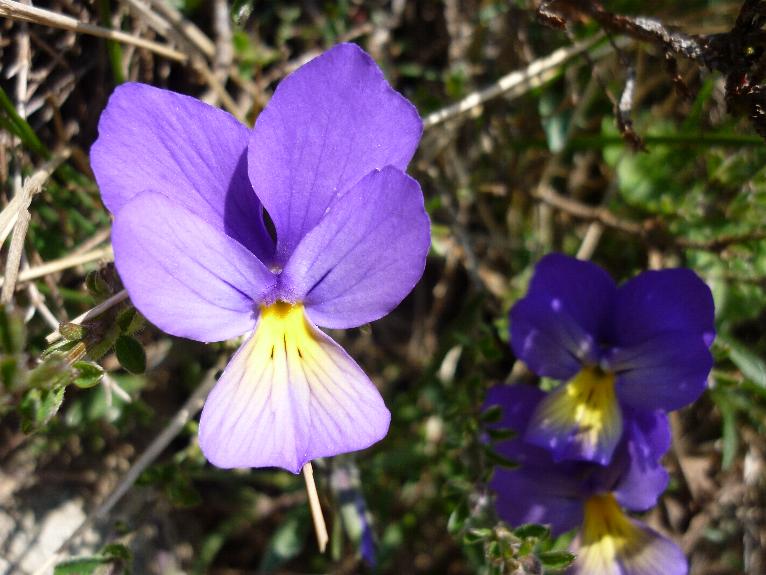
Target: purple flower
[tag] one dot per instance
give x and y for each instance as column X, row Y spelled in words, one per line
column 588, row 496
column 644, row 345
column 188, row 185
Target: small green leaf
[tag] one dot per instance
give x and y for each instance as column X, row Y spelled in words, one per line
column 492, row 414
column 89, row 374
column 501, row 434
column 751, row 366
column 288, row 540
column 182, row 492
column 52, row 372
column 12, row 331
column 556, row 559
column 477, row 534
column 80, row 565
column 39, row 406
column 72, row 331
column 97, row 285
column 532, row 530
column 457, row 518
column 130, row 354
column 130, row 321
column 497, row 459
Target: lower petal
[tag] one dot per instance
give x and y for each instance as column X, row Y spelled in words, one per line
column 613, row 544
column 580, row 420
column 289, row 395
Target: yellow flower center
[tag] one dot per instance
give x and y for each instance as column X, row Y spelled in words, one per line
column 591, row 393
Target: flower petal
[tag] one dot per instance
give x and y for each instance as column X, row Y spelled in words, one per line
column 657, row 302
column 539, row 490
column 289, row 395
column 152, row 139
column 666, row 372
column 613, row 544
column 526, row 497
column 646, row 439
column 580, row 420
column 186, row 276
column 330, row 123
column 548, row 339
column 583, row 289
column 366, row 254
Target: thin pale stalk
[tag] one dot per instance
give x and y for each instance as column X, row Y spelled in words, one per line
column 91, row 313
column 18, row 11
column 320, row 527
column 54, row 266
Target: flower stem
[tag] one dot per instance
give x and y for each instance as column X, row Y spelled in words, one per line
column 316, row 508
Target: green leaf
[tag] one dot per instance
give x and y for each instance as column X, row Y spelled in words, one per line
column 89, row 374
column 492, row 414
column 458, row 518
column 12, row 331
column 182, row 492
column 51, row 373
column 39, row 406
column 17, row 125
column 532, row 531
column 130, row 354
column 130, row 321
column 97, row 285
column 751, row 366
column 501, row 434
column 288, row 540
column 497, row 459
column 556, row 559
column 72, row 331
column 81, row 565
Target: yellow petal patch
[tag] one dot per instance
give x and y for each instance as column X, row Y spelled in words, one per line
column 611, row 543
column 582, row 419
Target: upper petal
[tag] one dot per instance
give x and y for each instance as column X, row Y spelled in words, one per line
column 365, row 255
column 582, row 288
column 548, row 339
column 185, row 275
column 655, row 302
column 289, row 395
column 153, row 139
column 329, row 124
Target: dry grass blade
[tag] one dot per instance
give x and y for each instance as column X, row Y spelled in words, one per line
column 62, row 264
column 532, row 76
column 18, row 11
column 21, row 216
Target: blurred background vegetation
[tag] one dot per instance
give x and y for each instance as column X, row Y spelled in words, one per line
column 632, row 145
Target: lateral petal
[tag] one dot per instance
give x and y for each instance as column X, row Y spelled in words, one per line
column 289, row 395
column 153, row 139
column 666, row 372
column 329, row 124
column 365, row 255
column 185, row 275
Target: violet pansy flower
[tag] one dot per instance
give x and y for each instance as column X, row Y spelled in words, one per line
column 643, row 345
column 587, row 496
column 188, row 184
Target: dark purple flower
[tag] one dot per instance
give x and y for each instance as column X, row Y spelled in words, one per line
column 643, row 345
column 188, row 184
column 588, row 496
